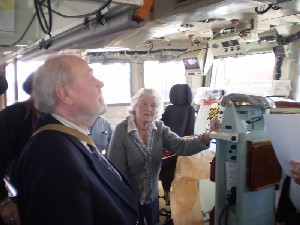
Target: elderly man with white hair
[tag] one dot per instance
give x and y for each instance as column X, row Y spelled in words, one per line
column 61, row 178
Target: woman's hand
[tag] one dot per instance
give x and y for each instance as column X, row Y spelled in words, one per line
column 295, row 171
column 9, row 214
column 214, row 124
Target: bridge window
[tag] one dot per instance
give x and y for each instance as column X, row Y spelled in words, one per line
column 162, row 76
column 24, row 69
column 116, row 79
column 250, row 74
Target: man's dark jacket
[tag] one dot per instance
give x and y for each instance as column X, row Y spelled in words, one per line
column 60, row 182
column 16, row 127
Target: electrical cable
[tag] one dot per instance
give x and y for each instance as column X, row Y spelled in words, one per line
column 46, row 28
column 152, row 46
column 223, row 218
column 82, row 15
column 140, row 53
column 263, row 10
column 252, row 121
column 24, row 33
column 59, row 14
column 49, row 27
column 224, row 214
column 245, row 32
column 76, row 16
column 186, row 52
column 43, row 17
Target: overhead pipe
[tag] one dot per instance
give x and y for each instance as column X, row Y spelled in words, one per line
column 83, row 34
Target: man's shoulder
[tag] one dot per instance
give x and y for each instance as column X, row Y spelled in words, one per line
column 159, row 124
column 18, row 106
column 51, row 143
column 101, row 119
column 101, row 122
column 14, row 113
column 120, row 127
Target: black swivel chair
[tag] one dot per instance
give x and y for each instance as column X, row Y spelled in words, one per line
column 180, row 117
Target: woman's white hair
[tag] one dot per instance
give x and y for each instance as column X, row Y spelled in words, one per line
column 146, row 92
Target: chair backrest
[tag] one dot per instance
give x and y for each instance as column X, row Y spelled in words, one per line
column 180, row 116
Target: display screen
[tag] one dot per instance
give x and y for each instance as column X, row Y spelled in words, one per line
column 191, row 63
column 230, row 43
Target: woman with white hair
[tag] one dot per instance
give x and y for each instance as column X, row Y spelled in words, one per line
column 137, row 145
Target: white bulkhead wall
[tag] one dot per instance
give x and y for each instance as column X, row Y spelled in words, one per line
column 116, row 113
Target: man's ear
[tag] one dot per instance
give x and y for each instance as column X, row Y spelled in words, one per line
column 63, row 94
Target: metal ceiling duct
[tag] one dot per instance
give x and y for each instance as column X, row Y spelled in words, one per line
column 82, row 35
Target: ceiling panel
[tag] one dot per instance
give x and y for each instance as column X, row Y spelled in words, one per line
column 169, row 22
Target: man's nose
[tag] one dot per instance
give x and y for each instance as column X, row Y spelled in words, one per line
column 100, row 83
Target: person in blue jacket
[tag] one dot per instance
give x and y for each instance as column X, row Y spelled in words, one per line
column 101, row 132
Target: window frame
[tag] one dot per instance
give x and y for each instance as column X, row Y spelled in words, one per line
column 161, row 70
